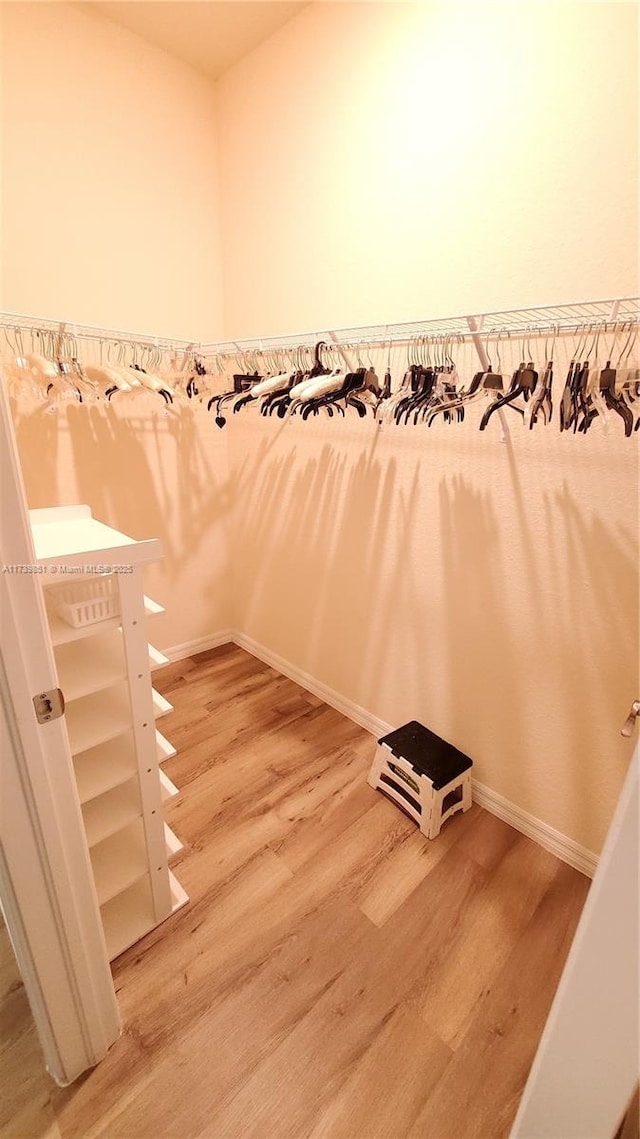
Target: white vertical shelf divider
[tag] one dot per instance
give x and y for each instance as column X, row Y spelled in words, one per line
column 132, row 615
column 104, row 671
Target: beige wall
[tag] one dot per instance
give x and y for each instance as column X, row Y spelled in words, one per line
column 381, row 162
column 109, row 177
column 109, row 180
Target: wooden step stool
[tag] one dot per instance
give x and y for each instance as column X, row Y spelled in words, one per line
column 429, row 778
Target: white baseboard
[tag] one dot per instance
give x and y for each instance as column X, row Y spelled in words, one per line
column 305, row 680
column 190, row 648
column 552, row 840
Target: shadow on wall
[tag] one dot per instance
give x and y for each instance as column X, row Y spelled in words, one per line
column 470, row 585
column 148, row 475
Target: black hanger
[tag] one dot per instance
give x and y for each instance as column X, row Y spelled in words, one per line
column 421, row 381
column 523, row 383
column 614, row 402
column 241, row 383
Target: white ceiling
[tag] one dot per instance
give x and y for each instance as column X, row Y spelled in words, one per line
column 211, row 35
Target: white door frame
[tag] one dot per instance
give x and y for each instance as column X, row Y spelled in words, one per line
column 46, row 884
column 586, row 1066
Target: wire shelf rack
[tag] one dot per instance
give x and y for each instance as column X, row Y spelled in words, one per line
column 527, row 321
column 562, row 318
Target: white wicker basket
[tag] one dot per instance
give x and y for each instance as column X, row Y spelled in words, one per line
column 87, row 602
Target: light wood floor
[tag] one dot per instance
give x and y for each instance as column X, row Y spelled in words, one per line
column 335, row 975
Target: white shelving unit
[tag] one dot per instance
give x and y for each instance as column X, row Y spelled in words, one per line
column 104, row 671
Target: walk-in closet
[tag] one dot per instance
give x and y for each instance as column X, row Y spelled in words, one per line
column 320, row 413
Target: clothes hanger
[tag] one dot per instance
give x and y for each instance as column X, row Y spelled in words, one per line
column 18, row 372
column 630, row 390
column 108, row 378
column 309, row 369
column 541, row 403
column 67, row 381
column 148, row 379
column 242, row 381
column 288, row 373
column 356, row 389
column 40, row 363
column 389, row 404
column 607, row 385
column 589, row 401
column 419, row 379
column 523, row 384
column 569, row 402
column 482, row 382
column 442, row 392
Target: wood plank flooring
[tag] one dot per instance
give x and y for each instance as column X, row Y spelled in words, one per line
column 335, row 975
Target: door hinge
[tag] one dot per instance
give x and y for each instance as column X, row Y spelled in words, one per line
column 630, row 721
column 49, row 705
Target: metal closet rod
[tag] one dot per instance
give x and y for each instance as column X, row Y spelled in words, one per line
column 480, row 327
column 26, row 322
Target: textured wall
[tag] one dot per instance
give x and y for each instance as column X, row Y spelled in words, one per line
column 383, row 162
column 413, row 160
column 109, row 177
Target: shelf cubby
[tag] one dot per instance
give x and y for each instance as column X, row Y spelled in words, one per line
column 118, row 861
column 101, row 768
column 109, row 813
column 98, row 718
column 62, row 633
column 128, row 916
column 90, row 665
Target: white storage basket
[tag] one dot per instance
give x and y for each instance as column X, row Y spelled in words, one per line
column 87, row 602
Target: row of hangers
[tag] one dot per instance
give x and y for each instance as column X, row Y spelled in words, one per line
column 431, row 387
column 302, row 382
column 47, row 364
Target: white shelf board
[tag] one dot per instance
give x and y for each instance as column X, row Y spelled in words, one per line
column 118, row 861
column 62, row 633
column 127, row 917
column 56, row 514
column 152, row 608
column 156, row 658
column 165, row 749
column 179, row 896
column 106, row 766
column 61, row 536
column 98, row 718
column 172, row 842
column 167, row 789
column 109, row 813
column 89, row 666
column 161, row 707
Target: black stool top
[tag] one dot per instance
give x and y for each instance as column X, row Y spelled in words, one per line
column 427, row 753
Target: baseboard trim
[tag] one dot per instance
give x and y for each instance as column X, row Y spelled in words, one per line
column 310, row 684
column 200, row 645
column 552, row 840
